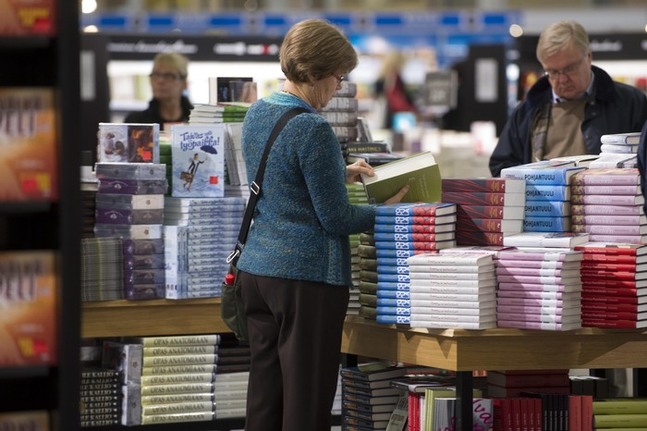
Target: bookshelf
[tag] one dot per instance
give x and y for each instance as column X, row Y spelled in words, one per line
column 49, row 60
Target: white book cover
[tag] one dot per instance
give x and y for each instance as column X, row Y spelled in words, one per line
column 198, row 160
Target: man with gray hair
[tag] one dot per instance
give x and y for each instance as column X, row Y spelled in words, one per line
column 568, row 109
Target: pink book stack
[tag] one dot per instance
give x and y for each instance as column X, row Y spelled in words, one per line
column 539, row 289
column 452, row 291
column 608, row 204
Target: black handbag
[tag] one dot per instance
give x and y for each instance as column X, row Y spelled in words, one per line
column 232, row 309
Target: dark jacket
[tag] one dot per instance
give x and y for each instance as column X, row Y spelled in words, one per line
column 613, row 108
column 152, row 113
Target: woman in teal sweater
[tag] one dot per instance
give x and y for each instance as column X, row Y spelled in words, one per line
column 295, row 267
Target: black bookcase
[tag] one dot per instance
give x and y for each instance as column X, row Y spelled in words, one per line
column 50, row 61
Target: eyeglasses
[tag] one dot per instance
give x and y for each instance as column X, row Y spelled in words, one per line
column 339, row 79
column 165, row 76
column 567, row 71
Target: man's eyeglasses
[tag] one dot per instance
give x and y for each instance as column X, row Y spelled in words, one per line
column 339, row 79
column 568, row 70
column 165, row 76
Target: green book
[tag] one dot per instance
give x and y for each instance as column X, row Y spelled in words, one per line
column 420, row 171
column 620, row 406
column 431, row 393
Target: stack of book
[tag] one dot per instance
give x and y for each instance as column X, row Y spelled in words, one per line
column 199, row 233
column 548, row 190
column 130, row 205
column 614, row 285
column 452, row 291
column 368, row 398
column 428, row 406
column 620, row 143
column 204, row 113
column 232, row 377
column 341, row 113
column 608, row 204
column 100, row 400
column 403, row 230
column 539, row 290
column 488, row 208
column 367, row 276
column 235, row 170
column 511, row 383
column 102, row 267
column 356, row 196
column 620, row 413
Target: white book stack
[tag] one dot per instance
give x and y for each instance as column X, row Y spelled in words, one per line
column 341, row 113
column 452, row 291
column 200, row 234
column 539, row 290
column 620, row 143
column 231, row 394
column 356, row 196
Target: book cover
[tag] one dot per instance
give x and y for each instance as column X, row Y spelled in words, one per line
column 28, row 17
column 545, row 172
column 499, row 185
column 546, row 239
column 423, row 210
column 198, row 160
column 607, row 177
column 28, row 308
column 28, row 138
column 128, row 143
column 420, row 171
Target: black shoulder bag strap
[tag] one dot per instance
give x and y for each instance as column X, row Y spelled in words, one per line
column 255, row 186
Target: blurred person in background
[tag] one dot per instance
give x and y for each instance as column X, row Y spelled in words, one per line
column 169, row 84
column 391, row 91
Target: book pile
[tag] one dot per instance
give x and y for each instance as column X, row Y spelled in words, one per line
column 198, row 160
column 341, row 114
column 403, row 230
column 89, row 187
column 620, row 143
column 130, row 205
column 232, row 377
column 199, row 234
column 488, row 208
column 167, row 379
column 539, row 290
column 235, row 170
column 356, row 196
column 614, row 285
column 368, row 398
column 102, row 267
column 608, row 204
column 548, row 191
column 204, row 113
column 100, row 399
column 511, row 383
column 452, row 291
column 544, row 410
column 620, row 413
column 367, row 276
column 428, row 405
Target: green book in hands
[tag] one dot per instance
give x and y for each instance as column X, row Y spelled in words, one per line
column 420, row 171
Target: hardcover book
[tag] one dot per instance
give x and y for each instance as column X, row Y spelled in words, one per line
column 28, row 17
column 28, row 308
column 128, row 142
column 420, row 171
column 198, row 160
column 498, row 185
column 423, row 210
column 545, row 172
column 629, row 138
column 28, row 138
column 546, row 239
column 607, row 177
column 486, row 198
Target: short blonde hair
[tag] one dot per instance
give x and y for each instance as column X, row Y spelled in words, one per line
column 562, row 35
column 314, row 49
column 178, row 61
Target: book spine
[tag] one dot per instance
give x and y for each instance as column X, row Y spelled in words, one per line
column 607, row 200
column 412, row 237
column 607, row 220
column 178, row 417
column 546, row 224
column 181, row 340
column 547, row 209
column 536, row 192
column 632, row 178
column 485, row 198
column 608, row 229
column 407, row 228
column 498, row 185
column 628, row 189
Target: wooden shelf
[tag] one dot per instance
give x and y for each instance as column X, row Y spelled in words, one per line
column 496, row 349
column 154, row 317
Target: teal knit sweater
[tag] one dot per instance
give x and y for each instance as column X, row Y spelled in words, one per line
column 303, row 218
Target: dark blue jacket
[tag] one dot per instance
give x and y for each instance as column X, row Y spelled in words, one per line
column 152, row 113
column 613, row 108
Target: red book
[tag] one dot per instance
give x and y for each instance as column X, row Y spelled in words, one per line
column 588, row 313
column 617, row 302
column 607, row 177
column 600, row 282
column 587, row 273
column 499, row 185
column 604, row 291
column 466, row 238
column 489, row 225
column 604, row 265
column 587, row 412
column 613, row 323
column 492, row 211
column 575, row 413
column 485, row 198
column 613, row 248
column 614, row 258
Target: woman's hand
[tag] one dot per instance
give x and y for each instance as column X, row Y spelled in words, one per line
column 354, row 172
column 396, row 198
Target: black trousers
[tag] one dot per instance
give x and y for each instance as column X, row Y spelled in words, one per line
column 295, row 339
